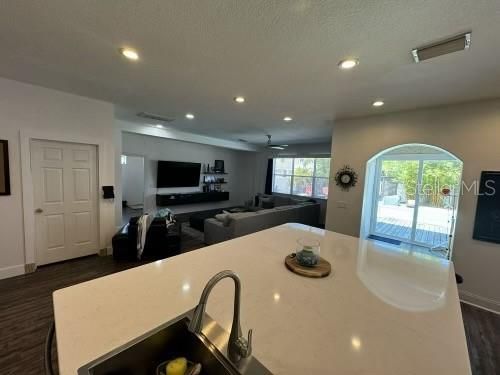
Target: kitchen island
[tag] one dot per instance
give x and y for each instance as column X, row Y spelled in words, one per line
column 383, row 310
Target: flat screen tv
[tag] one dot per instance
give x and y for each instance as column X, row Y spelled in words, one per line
column 177, row 174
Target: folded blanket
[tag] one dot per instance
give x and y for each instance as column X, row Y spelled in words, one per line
column 142, row 229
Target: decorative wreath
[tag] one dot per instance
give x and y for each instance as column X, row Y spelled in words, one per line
column 346, row 177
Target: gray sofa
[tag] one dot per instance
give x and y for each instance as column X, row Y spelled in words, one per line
column 224, row 228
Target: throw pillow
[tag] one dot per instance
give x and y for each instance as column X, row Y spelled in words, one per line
column 167, row 214
column 163, row 212
column 223, row 218
column 266, row 202
column 297, row 201
column 279, row 208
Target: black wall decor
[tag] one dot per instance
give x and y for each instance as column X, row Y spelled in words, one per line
column 108, row 192
column 4, row 168
column 346, row 177
column 487, row 223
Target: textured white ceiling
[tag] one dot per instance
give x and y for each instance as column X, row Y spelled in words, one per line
column 196, row 55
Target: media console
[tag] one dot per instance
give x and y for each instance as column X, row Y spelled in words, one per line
column 175, row 199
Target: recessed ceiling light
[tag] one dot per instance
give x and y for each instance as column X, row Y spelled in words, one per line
column 159, row 126
column 239, row 99
column 356, row 343
column 378, row 103
column 189, row 116
column 130, row 53
column 348, row 64
column 287, row 118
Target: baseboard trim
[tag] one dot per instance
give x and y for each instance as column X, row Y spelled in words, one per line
column 105, row 252
column 11, row 271
column 29, row 268
column 480, row 302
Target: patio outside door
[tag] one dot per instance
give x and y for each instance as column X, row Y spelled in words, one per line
column 416, row 199
column 436, row 212
column 395, row 205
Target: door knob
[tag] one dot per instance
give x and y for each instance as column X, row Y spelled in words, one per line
column 38, row 211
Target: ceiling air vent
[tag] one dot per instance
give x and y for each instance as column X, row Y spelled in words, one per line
column 152, row 116
column 455, row 44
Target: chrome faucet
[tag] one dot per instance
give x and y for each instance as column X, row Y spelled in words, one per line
column 238, row 347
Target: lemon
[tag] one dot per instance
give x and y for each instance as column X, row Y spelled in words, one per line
column 177, row 367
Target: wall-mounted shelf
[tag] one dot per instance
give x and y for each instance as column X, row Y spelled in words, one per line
column 165, row 200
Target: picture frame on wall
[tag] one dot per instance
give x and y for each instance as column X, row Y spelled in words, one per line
column 4, row 168
column 487, row 222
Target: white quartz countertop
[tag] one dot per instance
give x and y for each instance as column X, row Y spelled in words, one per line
column 383, row 310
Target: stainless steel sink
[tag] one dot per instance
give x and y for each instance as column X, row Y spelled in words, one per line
column 171, row 340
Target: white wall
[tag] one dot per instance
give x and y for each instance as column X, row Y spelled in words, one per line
column 25, row 111
column 133, row 180
column 153, row 149
column 471, row 132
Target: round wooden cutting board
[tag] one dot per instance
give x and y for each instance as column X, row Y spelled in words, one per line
column 322, row 269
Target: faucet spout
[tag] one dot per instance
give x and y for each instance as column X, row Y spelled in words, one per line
column 238, row 346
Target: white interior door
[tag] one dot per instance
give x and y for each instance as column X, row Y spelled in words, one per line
column 65, row 197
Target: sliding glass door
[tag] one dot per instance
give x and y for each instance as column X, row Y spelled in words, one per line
column 415, row 199
column 395, row 205
column 437, row 202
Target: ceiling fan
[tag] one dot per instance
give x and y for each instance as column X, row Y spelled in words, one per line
column 274, row 146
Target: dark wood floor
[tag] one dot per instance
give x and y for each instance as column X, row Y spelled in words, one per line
column 482, row 329
column 26, row 309
column 26, row 304
column 26, row 312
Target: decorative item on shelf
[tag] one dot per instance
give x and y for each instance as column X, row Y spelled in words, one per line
column 4, row 168
column 346, row 178
column 219, row 166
